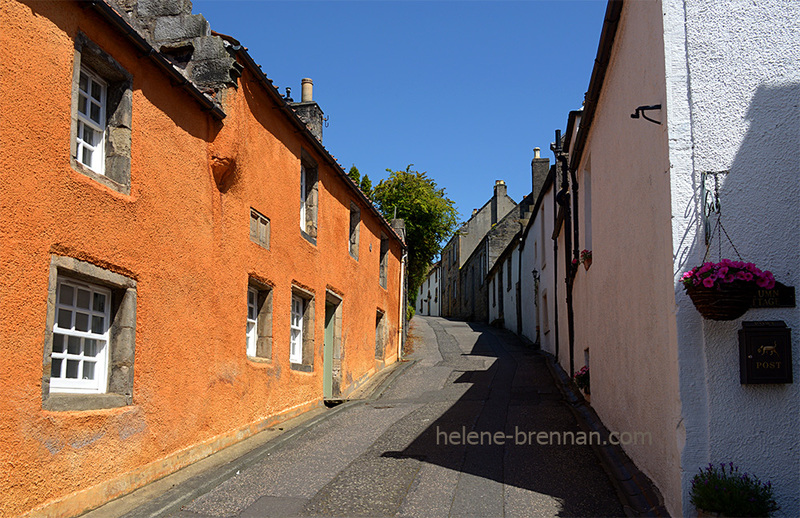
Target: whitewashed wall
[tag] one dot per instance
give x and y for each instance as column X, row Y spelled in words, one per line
column 537, row 255
column 429, row 296
column 733, row 97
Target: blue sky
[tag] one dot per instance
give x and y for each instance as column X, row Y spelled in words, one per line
column 461, row 89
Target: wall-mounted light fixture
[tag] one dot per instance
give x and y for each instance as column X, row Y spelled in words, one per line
column 640, row 113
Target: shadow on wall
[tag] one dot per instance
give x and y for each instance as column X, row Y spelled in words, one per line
column 759, row 200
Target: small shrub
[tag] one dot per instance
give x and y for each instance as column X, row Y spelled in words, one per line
column 724, row 490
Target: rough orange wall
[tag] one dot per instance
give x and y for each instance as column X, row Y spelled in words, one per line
column 187, row 245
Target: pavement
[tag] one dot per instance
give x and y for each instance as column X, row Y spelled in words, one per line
column 456, row 431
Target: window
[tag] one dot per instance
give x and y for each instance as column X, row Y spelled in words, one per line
column 301, row 344
column 309, row 197
column 259, row 228
column 509, row 272
column 494, row 293
column 355, row 219
column 91, row 120
column 384, row 260
column 587, row 209
column 259, row 321
column 101, row 116
column 544, row 239
column 90, row 337
column 80, row 338
column 296, row 351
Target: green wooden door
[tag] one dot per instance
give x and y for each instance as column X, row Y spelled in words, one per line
column 327, row 361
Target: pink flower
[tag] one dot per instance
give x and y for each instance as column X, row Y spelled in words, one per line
column 729, row 278
column 708, row 282
column 744, row 276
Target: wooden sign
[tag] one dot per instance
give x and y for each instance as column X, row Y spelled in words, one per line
column 765, row 352
column 781, row 296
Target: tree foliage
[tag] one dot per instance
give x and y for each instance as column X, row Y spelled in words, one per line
column 366, row 186
column 430, row 217
column 364, row 183
column 354, row 174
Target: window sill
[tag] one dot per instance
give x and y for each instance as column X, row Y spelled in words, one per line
column 103, row 179
column 258, row 359
column 81, row 402
column 301, row 367
column 308, row 237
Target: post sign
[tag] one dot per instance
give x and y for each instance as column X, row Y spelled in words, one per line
column 765, row 352
column 781, row 296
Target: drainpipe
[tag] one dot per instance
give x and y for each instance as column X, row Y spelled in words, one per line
column 401, row 316
column 563, row 199
column 555, row 260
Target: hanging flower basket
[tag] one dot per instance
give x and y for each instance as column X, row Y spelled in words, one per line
column 725, row 290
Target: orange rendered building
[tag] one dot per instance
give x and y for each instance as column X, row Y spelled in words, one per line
column 183, row 264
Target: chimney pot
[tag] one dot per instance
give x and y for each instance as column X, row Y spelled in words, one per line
column 307, row 93
column 536, row 152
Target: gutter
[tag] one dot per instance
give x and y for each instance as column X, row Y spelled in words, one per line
column 114, row 18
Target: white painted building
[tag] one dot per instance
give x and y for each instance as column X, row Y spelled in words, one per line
column 720, row 83
column 428, row 300
column 539, row 273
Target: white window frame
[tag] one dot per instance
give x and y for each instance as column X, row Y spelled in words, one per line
column 252, row 321
column 296, row 326
column 63, row 335
column 303, row 198
column 97, row 153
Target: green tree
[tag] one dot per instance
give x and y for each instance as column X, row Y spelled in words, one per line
column 366, row 186
column 430, row 217
column 354, row 174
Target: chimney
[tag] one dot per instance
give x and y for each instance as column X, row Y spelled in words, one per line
column 309, row 111
column 539, row 169
column 307, row 94
column 499, row 190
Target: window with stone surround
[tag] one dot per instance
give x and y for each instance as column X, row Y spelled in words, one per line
column 259, row 228
column 309, row 197
column 90, row 337
column 301, row 345
column 259, row 321
column 101, row 116
column 355, row 220
column 384, row 260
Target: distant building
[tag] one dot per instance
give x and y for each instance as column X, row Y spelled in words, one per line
column 428, row 301
column 455, row 297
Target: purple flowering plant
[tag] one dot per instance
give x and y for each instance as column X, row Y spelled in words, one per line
column 726, row 491
column 728, row 273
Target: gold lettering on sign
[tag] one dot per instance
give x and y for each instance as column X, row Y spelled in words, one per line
column 768, row 365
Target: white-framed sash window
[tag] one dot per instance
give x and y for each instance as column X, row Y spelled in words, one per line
column 79, row 361
column 90, row 138
column 296, row 350
column 252, row 321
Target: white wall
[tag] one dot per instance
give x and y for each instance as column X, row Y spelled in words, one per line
column 510, row 291
column 537, row 255
column 429, row 296
column 733, row 96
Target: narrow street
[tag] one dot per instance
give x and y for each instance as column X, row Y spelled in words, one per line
column 403, row 452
